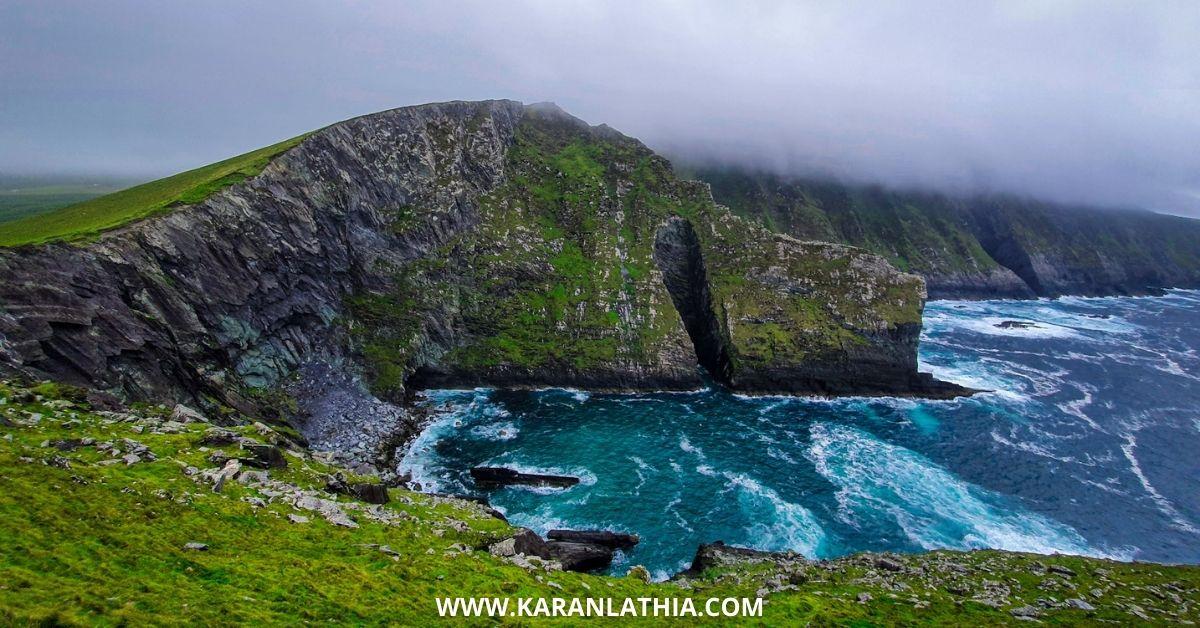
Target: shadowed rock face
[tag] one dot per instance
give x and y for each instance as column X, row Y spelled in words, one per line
column 459, row 244
column 677, row 254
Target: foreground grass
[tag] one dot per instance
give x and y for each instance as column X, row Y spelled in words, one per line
column 88, row 541
column 90, row 217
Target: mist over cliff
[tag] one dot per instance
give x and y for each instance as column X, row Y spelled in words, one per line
column 1066, row 101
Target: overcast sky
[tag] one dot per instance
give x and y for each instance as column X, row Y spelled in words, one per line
column 1077, row 101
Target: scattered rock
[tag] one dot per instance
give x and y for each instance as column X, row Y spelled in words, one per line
column 365, row 491
column 198, row 547
column 217, row 437
column 294, row 518
column 888, row 564
column 100, row 400
column 864, row 597
column 265, row 457
column 1025, row 611
column 1060, row 570
column 1080, row 604
column 184, row 414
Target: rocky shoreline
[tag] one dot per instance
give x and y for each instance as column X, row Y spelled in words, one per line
column 241, row 498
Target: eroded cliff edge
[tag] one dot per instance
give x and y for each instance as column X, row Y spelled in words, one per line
column 457, row 244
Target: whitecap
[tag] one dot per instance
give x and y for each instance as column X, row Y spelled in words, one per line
column 933, row 507
column 1164, row 505
column 778, row 524
column 496, row 431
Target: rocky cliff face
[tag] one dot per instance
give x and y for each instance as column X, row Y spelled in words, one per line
column 460, row 243
column 981, row 247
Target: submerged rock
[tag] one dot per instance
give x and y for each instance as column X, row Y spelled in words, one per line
column 1016, row 325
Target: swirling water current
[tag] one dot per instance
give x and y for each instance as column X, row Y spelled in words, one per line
column 1089, row 443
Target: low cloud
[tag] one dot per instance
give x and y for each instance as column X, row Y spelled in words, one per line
column 1074, row 101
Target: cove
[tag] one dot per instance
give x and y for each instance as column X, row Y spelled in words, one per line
column 1082, row 447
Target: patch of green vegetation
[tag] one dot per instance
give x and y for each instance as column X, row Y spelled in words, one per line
column 560, row 262
column 91, row 217
column 91, row 540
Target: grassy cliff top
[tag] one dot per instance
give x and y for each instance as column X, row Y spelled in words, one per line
column 98, row 510
column 90, row 217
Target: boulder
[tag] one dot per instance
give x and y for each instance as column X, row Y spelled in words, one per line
column 184, row 414
column 495, row 477
column 365, row 491
column 100, row 400
column 580, row 556
column 217, row 437
column 525, row 542
column 265, row 457
column 613, row 540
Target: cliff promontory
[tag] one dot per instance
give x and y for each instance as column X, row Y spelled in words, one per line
column 453, row 244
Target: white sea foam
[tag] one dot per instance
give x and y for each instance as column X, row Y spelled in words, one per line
column 1164, row 505
column 935, row 508
column 777, row 523
column 687, row 446
column 496, row 431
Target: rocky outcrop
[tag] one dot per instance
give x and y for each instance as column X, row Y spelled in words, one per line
column 496, row 477
column 981, row 246
column 459, row 244
column 606, row 538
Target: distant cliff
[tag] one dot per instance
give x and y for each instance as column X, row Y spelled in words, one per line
column 460, row 244
column 976, row 247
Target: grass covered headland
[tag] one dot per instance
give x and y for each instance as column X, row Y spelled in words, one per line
column 96, row 215
column 158, row 515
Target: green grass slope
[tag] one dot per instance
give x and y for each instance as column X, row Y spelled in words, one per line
column 91, row 217
column 88, row 538
column 19, row 202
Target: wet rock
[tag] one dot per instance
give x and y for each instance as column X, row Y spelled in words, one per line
column 495, row 477
column 613, row 540
column 1016, row 325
